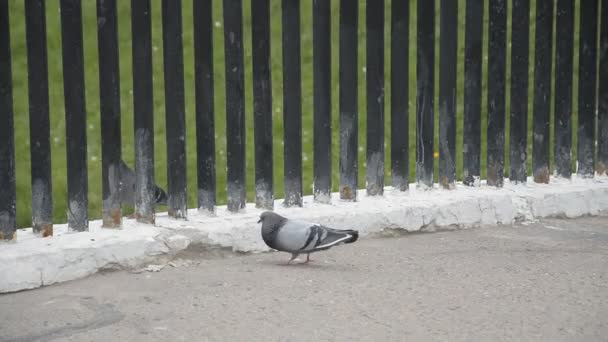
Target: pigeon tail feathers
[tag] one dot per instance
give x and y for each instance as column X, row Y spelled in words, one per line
column 322, row 238
column 354, row 235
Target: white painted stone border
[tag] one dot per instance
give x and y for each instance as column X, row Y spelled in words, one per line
column 33, row 262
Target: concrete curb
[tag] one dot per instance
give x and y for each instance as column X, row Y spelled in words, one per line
column 33, row 262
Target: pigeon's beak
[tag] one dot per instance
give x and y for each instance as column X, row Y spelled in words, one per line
column 260, row 220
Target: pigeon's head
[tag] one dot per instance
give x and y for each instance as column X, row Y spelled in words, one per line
column 270, row 218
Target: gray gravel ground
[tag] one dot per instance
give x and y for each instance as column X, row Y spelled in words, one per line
column 546, row 281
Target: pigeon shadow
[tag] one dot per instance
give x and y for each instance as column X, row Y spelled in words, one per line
column 314, row 265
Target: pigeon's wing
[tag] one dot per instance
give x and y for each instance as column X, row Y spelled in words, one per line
column 328, row 237
column 321, row 238
column 127, row 188
column 292, row 236
column 302, row 237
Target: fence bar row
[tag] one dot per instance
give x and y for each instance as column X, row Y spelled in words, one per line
column 262, row 104
column 235, row 104
column 205, row 124
column 542, row 90
column 400, row 22
column 322, row 100
column 471, row 150
column 75, row 114
column 425, row 93
column 375, row 96
column 109, row 94
column 8, row 223
column 40, row 148
column 349, row 124
column 564, row 30
column 447, row 93
column 587, row 87
column 602, row 122
column 292, row 103
column 145, row 192
column 143, row 106
column 177, row 201
column 520, row 40
column 497, row 63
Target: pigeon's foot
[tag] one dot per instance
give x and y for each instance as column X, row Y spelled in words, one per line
column 293, row 257
column 308, row 259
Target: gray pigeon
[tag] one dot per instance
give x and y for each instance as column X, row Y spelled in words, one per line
column 297, row 237
column 127, row 190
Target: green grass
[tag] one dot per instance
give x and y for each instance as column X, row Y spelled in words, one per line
column 19, row 63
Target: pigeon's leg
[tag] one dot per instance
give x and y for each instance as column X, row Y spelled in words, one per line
column 308, row 258
column 293, row 256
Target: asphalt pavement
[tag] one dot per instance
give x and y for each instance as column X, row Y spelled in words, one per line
column 543, row 281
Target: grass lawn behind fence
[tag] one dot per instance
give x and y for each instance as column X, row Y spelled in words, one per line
column 20, row 94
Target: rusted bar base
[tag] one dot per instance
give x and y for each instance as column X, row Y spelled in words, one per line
column 10, row 236
column 113, row 219
column 43, row 229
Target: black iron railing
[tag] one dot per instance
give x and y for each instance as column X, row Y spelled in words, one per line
column 552, row 65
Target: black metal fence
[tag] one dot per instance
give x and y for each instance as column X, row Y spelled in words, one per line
column 592, row 123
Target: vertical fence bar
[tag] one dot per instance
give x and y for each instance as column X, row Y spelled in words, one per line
column 425, row 96
column 587, row 87
column 348, row 100
column 542, row 91
column 563, row 87
column 205, row 123
column 40, row 149
column 471, row 151
column 8, row 222
column 447, row 93
column 322, row 100
column 235, row 104
column 400, row 13
column 497, row 52
column 375, row 96
column 109, row 101
column 602, row 120
column 262, row 104
column 520, row 42
column 177, row 200
column 75, row 114
column 292, row 102
column 143, row 105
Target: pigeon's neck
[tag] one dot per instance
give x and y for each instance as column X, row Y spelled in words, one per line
column 270, row 230
column 269, row 227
